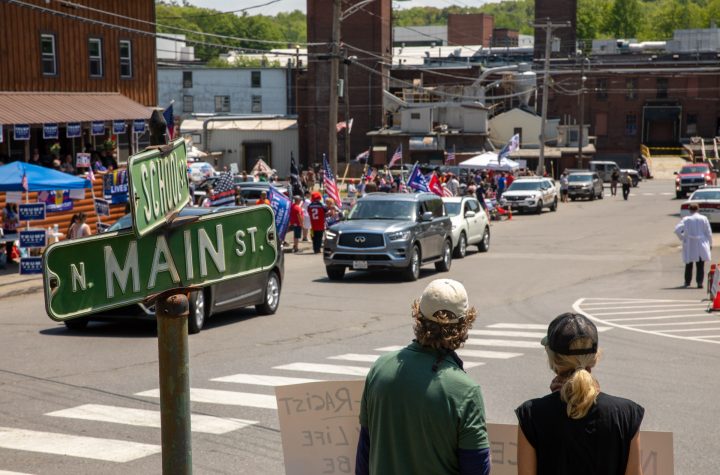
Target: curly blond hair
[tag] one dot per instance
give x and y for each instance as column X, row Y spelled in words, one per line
column 448, row 336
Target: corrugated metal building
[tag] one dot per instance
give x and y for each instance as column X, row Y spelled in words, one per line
column 244, row 140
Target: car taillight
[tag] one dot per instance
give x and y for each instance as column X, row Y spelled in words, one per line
column 684, row 206
column 708, row 177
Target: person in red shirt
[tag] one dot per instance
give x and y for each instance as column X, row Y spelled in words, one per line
column 263, row 200
column 317, row 212
column 509, row 179
column 296, row 221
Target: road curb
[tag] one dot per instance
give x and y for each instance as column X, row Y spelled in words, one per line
column 20, row 291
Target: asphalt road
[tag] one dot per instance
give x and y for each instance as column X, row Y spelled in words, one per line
column 615, row 260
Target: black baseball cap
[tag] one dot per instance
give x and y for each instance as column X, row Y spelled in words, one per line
column 567, row 328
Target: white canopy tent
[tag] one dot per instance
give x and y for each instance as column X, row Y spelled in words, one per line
column 489, row 161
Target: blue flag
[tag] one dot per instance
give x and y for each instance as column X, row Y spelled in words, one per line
column 417, row 180
column 169, row 120
column 280, row 204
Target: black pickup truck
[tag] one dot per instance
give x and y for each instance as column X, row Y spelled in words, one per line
column 390, row 231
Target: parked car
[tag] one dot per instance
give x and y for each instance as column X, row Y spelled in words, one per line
column 693, row 176
column 200, row 171
column 261, row 290
column 585, row 185
column 604, row 170
column 250, row 190
column 708, row 199
column 390, row 231
column 470, row 225
column 531, row 194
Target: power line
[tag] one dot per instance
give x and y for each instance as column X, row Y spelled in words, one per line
column 217, row 13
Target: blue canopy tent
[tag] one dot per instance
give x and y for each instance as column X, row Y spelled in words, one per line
column 38, row 178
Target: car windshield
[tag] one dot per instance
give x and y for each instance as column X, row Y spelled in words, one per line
column 705, row 195
column 524, row 185
column 693, row 170
column 580, row 178
column 371, row 209
column 453, row 209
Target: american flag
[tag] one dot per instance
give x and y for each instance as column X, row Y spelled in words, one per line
column 25, row 182
column 446, row 191
column 223, row 191
column 331, row 188
column 450, row 156
column 397, row 156
column 90, row 175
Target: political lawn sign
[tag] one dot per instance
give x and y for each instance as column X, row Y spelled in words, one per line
column 320, row 426
column 33, row 238
column 158, row 186
column 31, row 265
column 110, row 270
column 32, row 211
column 102, row 207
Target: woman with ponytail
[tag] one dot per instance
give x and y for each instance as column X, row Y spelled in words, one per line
column 577, row 429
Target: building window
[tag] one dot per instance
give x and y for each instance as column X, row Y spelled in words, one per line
column 187, row 103
column 601, row 124
column 631, row 125
column 222, row 103
column 601, row 89
column 662, row 88
column 255, row 79
column 125, row 59
column 256, row 104
column 49, row 54
column 415, row 115
column 631, row 87
column 95, row 56
column 187, row 79
column 691, row 128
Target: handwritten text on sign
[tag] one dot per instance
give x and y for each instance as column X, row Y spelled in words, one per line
column 319, row 425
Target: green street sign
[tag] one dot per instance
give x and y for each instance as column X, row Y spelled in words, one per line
column 158, row 185
column 106, row 271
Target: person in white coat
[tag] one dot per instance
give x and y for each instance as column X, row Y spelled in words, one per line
column 696, row 235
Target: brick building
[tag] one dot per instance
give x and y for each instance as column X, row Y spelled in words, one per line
column 368, row 36
column 557, row 11
column 474, row 29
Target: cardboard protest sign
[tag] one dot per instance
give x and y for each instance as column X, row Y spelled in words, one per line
column 320, row 425
column 82, row 160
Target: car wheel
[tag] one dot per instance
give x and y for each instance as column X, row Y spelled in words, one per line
column 484, row 245
column 592, row 196
column 635, row 182
column 444, row 264
column 196, row 317
column 678, row 195
column 335, row 272
column 573, row 198
column 554, row 206
column 461, row 248
column 76, row 323
column 412, row 271
column 539, row 208
column 272, row 296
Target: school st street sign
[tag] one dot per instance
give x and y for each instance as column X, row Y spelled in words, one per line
column 116, row 269
column 158, row 185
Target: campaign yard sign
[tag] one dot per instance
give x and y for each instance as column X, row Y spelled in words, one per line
column 33, row 238
column 32, row 211
column 50, row 131
column 115, row 187
column 82, row 160
column 139, row 126
column 102, row 207
column 21, row 132
column 320, row 426
column 97, row 128
column 73, row 130
column 118, row 127
column 31, row 265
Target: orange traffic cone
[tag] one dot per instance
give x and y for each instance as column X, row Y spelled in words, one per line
column 713, row 290
column 711, row 280
column 509, row 213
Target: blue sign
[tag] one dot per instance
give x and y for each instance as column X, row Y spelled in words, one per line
column 97, row 128
column 56, row 200
column 102, row 207
column 280, row 204
column 32, row 211
column 21, row 132
column 139, row 126
column 73, row 130
column 31, row 265
column 118, row 127
column 115, row 187
column 50, row 131
column 33, row 238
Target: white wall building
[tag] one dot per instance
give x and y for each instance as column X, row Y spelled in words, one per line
column 229, row 91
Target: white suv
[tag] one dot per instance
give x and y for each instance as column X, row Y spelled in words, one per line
column 531, row 194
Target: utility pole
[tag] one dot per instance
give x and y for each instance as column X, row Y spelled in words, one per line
column 333, row 93
column 549, row 27
column 346, row 96
column 581, row 112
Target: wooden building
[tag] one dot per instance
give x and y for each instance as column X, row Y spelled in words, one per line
column 56, row 53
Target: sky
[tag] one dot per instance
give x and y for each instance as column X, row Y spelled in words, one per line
column 290, row 5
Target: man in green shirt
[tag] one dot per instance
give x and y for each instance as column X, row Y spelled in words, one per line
column 420, row 412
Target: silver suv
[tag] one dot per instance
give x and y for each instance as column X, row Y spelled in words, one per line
column 531, row 194
column 390, row 231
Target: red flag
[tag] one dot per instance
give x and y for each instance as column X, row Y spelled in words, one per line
column 434, row 185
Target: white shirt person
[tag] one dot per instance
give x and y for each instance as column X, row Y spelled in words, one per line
column 696, row 235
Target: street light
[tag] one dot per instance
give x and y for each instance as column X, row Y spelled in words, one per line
column 581, row 106
column 338, row 16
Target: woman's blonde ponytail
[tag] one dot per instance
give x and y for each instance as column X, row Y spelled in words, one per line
column 579, row 393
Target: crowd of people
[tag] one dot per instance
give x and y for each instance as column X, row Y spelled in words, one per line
column 101, row 160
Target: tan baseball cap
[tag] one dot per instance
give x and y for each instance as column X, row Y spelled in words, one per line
column 444, row 295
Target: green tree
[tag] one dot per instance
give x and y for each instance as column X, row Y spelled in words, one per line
column 624, row 19
column 591, row 15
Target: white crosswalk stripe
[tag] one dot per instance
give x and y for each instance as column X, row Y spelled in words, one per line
column 533, row 326
column 507, row 333
column 228, row 398
column 145, row 418
column 262, row 380
column 679, row 319
column 503, row 343
column 108, row 450
column 325, row 368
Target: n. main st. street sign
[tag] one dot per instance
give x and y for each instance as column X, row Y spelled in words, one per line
column 111, row 270
column 158, row 184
